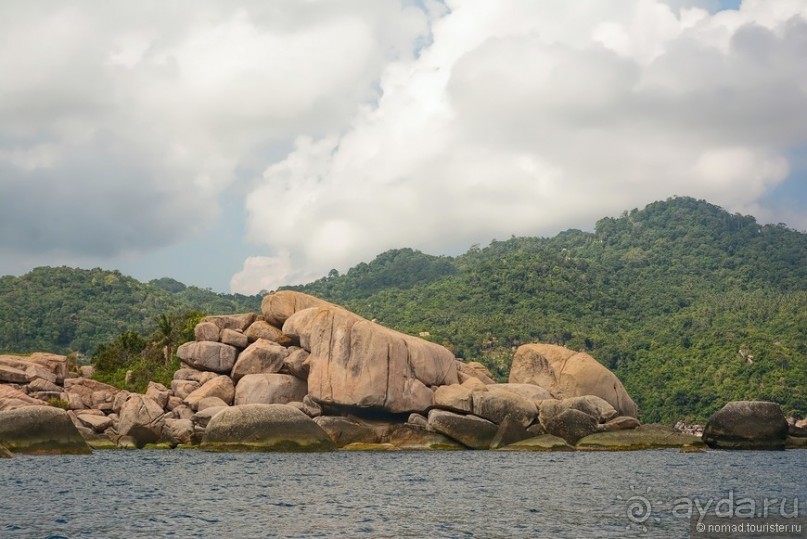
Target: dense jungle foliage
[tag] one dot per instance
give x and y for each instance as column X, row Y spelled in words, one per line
column 65, row 309
column 691, row 306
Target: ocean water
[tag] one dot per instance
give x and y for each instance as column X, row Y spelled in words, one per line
column 188, row 493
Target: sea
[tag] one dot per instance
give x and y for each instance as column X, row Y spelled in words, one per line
column 398, row 494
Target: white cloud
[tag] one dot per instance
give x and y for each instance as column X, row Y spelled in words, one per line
column 529, row 117
column 121, row 123
column 380, row 124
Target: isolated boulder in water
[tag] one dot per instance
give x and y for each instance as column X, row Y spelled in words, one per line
column 269, row 389
column 264, row 427
column 142, row 419
column 747, row 425
column 567, row 373
column 356, row 362
column 40, row 430
column 208, row 356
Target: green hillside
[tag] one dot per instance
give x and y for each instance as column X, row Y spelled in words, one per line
column 66, row 309
column 691, row 306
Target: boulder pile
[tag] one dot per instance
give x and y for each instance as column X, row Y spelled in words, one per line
column 305, row 374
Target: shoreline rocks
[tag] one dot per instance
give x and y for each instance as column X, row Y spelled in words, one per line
column 747, row 425
column 264, row 427
column 40, row 430
column 332, row 379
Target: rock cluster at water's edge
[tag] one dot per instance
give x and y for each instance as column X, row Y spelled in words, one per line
column 308, row 375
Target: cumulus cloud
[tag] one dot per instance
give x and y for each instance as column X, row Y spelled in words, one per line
column 122, row 122
column 521, row 117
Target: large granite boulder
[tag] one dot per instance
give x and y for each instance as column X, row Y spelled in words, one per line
column 413, row 437
column 220, row 386
column 206, row 331
column 55, row 363
column 178, row 431
column 496, row 404
column 567, row 373
column 471, row 431
column 264, row 427
column 208, row 356
column 262, row 356
column 92, row 393
column 159, row 393
column 234, row 338
column 454, row 398
column 269, row 389
column 474, row 369
column 571, row 425
column 236, row 322
column 747, row 425
column 264, row 330
column 279, row 306
column 591, row 405
column 40, row 430
column 142, row 419
column 510, row 431
column 346, row 430
column 12, row 375
column 356, row 362
column 12, row 398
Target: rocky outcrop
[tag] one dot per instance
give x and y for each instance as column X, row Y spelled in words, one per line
column 40, row 430
column 566, row 373
column 264, row 427
column 747, row 425
column 356, row 362
column 358, row 378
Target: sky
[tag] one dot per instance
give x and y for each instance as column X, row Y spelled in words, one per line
column 245, row 145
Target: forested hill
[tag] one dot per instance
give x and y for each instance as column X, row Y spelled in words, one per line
column 690, row 305
column 66, row 309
